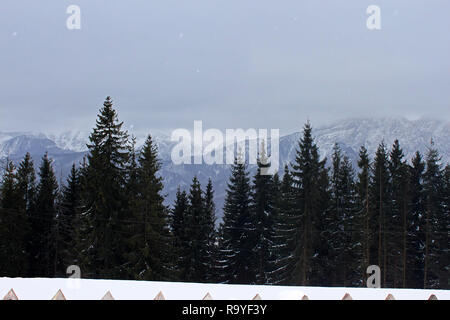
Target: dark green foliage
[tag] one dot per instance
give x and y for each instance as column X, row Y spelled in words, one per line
column 344, row 249
column 26, row 178
column 397, row 228
column 212, row 249
column 263, row 210
column 180, row 236
column 237, row 231
column 416, row 226
column 317, row 226
column 13, row 227
column 149, row 242
column 104, row 196
column 311, row 192
column 285, row 229
column 194, row 235
column 363, row 219
column 43, row 223
column 445, row 226
column 68, row 222
column 436, row 230
column 195, row 268
column 380, row 199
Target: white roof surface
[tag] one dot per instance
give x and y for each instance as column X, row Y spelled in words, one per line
column 87, row 289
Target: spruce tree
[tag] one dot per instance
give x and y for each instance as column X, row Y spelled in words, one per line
column 212, row 251
column 274, row 250
column 68, row 221
column 104, row 196
column 311, row 187
column 336, row 265
column 13, row 226
column 436, row 231
column 26, row 177
column 179, row 234
column 132, row 227
column 193, row 264
column 43, row 222
column 263, row 217
column 380, row 187
column 149, row 245
column 341, row 224
column 416, row 227
column 199, row 236
column 363, row 215
column 397, row 228
column 237, row 232
column 285, row 230
column 353, row 251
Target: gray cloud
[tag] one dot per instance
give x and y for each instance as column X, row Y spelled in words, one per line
column 231, row 64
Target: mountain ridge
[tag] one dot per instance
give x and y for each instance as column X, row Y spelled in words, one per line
column 413, row 135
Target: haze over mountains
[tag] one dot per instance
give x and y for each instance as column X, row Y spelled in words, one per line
column 350, row 134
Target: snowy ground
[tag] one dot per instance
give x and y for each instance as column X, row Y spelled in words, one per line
column 85, row 289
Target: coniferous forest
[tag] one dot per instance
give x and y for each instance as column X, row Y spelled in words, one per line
column 312, row 224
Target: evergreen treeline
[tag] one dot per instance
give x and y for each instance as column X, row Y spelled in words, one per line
column 312, row 225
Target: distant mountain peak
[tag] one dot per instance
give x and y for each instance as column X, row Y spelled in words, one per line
column 69, row 147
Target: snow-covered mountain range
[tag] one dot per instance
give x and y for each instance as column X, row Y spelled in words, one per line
column 69, row 147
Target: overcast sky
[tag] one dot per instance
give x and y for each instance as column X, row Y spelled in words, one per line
column 249, row 64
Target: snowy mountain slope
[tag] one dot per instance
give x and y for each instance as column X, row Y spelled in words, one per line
column 69, row 147
column 71, row 140
column 86, row 289
column 412, row 135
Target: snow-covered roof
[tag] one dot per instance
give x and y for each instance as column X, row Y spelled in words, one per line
column 87, row 289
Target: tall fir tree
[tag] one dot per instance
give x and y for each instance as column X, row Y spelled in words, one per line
column 26, row 177
column 68, row 222
column 179, row 234
column 363, row 215
column 311, row 187
column 237, row 231
column 436, row 232
column 212, row 250
column 263, row 217
column 341, row 224
column 285, row 230
column 13, row 226
column 416, row 227
column 150, row 241
column 195, row 269
column 380, row 198
column 104, row 196
column 199, row 225
column 43, row 222
column 397, row 228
